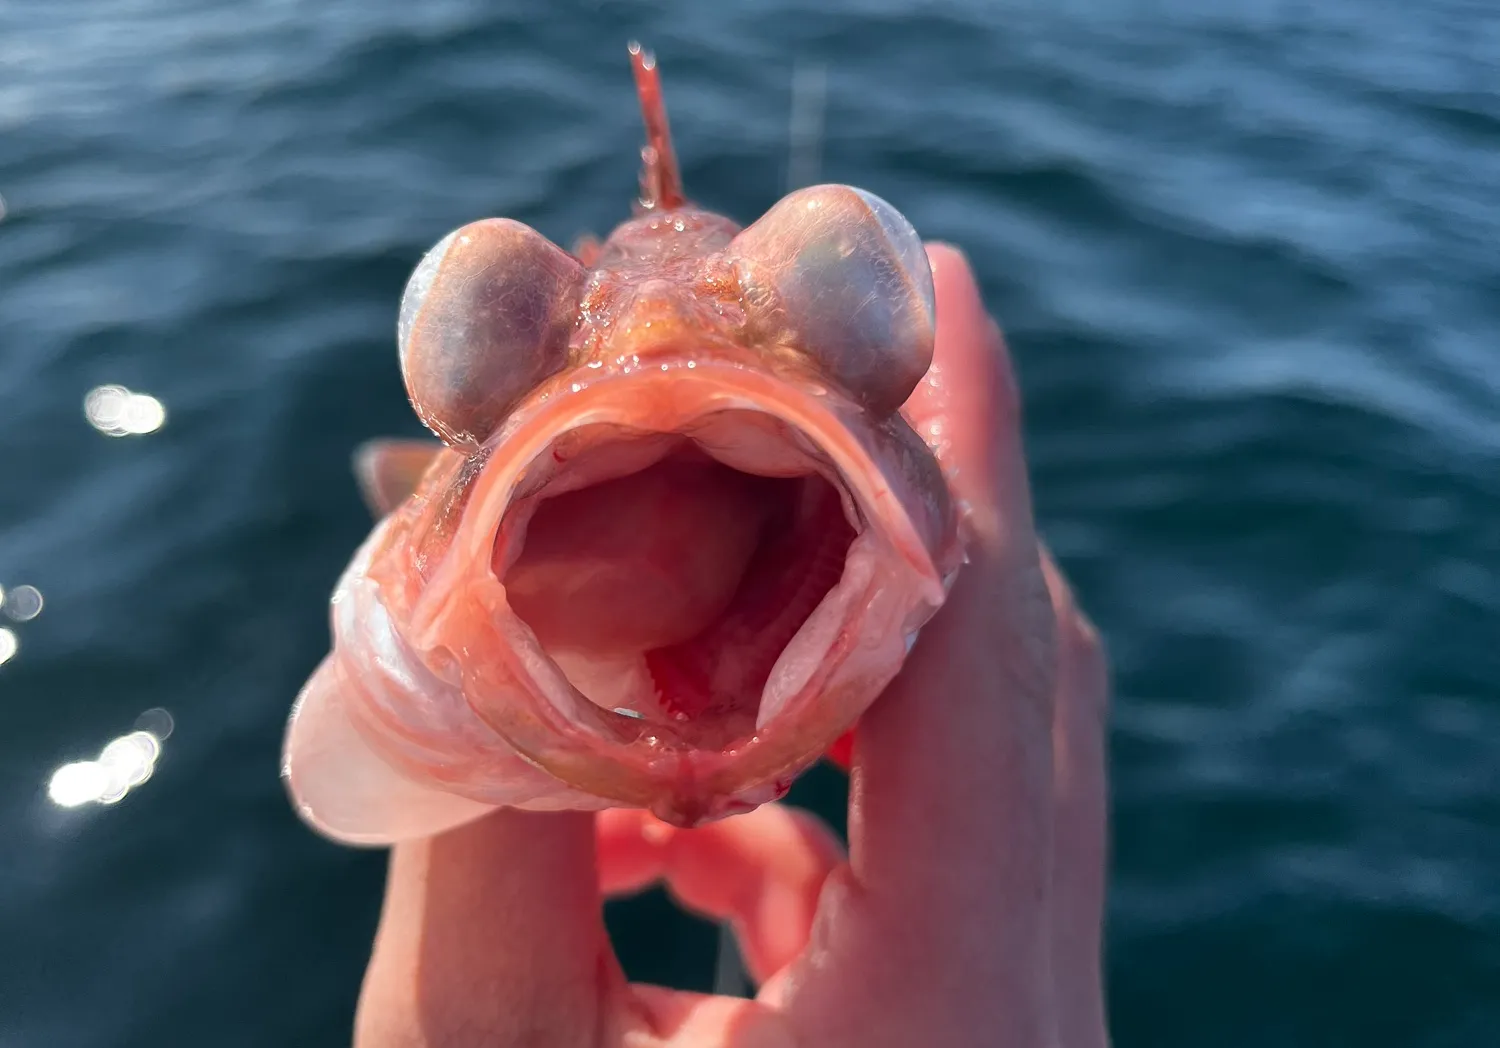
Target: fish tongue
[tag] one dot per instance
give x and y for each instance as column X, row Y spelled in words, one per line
column 724, row 668
column 638, row 562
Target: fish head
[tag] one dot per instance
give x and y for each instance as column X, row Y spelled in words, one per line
column 682, row 535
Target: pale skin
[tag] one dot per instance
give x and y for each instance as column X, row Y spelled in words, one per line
column 968, row 910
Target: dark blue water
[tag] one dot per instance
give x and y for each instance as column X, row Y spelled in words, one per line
column 1248, row 262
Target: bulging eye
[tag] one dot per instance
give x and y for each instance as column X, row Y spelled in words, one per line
column 484, row 318
column 840, row 275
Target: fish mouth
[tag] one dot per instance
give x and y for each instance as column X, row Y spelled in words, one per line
column 668, row 594
column 674, row 586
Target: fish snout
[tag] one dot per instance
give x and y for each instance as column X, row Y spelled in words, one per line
column 659, row 312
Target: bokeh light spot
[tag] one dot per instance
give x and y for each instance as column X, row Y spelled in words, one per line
column 157, row 721
column 22, row 603
column 123, row 764
column 74, row 785
column 117, row 412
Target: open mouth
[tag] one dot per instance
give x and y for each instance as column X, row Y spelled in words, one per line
column 691, row 580
column 675, row 587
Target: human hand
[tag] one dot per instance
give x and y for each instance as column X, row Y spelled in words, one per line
column 969, row 909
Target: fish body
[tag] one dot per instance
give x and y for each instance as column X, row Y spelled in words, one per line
column 677, row 535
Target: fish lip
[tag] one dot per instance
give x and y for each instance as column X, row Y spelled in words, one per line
column 815, row 409
column 659, row 392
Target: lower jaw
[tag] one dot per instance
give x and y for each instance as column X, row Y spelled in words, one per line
column 889, row 587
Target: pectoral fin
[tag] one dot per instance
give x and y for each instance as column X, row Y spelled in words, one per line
column 388, row 471
column 343, row 788
column 841, row 753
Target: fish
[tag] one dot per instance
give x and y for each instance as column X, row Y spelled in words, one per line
column 674, row 536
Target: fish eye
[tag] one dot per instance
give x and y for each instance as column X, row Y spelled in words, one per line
column 485, row 317
column 841, row 275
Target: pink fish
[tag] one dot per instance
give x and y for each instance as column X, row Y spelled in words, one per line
column 678, row 534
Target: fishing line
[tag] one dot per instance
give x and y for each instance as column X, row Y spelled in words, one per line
column 804, row 164
column 805, row 128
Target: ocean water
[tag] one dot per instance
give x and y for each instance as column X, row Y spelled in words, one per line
column 1246, row 255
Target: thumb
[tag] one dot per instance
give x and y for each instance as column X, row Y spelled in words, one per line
column 939, row 931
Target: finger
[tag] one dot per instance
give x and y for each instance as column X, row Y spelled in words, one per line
column 761, row 872
column 954, row 763
column 631, row 850
column 494, row 927
column 679, row 1019
column 1080, row 841
column 942, row 924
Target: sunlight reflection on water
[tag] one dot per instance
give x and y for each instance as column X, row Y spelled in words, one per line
column 22, row 603
column 124, row 763
column 117, row 412
column 19, row 604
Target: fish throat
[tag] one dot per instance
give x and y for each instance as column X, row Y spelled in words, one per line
column 674, row 578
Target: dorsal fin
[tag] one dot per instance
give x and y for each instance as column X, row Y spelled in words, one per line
column 661, row 182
